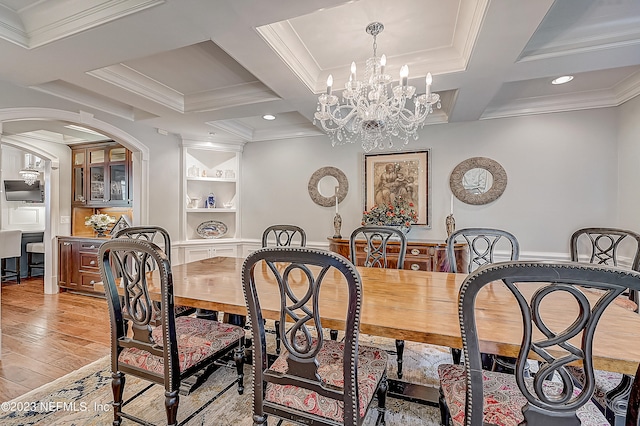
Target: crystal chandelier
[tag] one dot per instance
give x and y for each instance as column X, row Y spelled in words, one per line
column 372, row 111
column 30, row 175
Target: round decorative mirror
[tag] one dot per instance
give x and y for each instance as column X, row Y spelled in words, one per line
column 325, row 183
column 478, row 180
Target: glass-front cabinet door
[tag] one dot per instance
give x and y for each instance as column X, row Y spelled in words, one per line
column 101, row 175
column 97, row 170
column 118, row 172
column 79, row 196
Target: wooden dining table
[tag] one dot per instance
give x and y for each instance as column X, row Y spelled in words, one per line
column 418, row 306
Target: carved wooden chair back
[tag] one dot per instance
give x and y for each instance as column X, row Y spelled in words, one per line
column 142, row 350
column 154, row 234
column 482, row 243
column 298, row 275
column 377, row 247
column 544, row 279
column 284, row 236
column 608, row 246
column 161, row 238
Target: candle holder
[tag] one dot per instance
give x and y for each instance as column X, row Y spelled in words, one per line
column 450, row 223
column 337, row 224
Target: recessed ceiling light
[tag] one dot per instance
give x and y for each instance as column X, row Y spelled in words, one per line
column 269, row 117
column 562, row 80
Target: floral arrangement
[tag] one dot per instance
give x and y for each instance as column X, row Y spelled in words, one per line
column 400, row 213
column 99, row 222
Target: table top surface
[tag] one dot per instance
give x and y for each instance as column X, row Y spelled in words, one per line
column 419, row 306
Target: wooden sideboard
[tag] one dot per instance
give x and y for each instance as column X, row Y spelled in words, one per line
column 422, row 255
column 78, row 268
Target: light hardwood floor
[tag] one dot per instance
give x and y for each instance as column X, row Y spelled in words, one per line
column 47, row 336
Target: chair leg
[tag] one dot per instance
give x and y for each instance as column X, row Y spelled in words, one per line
column 171, row 401
column 445, row 417
column 117, row 386
column 333, row 334
column 400, row 352
column 382, row 400
column 238, row 357
column 456, row 354
column 278, row 337
column 259, row 420
column 17, row 270
column 29, row 262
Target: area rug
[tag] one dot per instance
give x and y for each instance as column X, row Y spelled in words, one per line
column 84, row 396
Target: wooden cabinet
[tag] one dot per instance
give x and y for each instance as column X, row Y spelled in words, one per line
column 78, row 268
column 421, row 255
column 101, row 175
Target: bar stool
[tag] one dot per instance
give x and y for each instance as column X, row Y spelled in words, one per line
column 10, row 247
column 34, row 248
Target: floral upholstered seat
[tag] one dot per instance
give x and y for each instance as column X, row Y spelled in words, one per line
column 503, row 400
column 314, row 380
column 169, row 353
column 605, row 382
column 372, row 363
column 198, row 339
column 472, row 396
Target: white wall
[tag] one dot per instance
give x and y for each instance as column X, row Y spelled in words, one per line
column 561, row 168
column 629, row 165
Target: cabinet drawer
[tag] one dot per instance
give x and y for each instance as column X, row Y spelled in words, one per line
column 88, row 280
column 88, row 246
column 418, row 265
column 89, row 261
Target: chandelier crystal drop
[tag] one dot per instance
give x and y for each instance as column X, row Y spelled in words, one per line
column 372, row 111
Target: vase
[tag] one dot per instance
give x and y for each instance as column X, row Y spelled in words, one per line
column 100, row 232
column 402, row 228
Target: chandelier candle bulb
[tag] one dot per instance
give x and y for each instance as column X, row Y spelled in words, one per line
column 429, row 80
column 383, row 63
column 329, row 84
column 353, row 72
column 404, row 75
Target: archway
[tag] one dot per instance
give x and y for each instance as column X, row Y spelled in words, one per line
column 52, row 179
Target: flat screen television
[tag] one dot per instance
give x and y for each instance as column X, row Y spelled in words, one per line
column 19, row 190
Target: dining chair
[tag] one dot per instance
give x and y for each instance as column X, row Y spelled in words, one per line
column 167, row 354
column 483, row 243
column 379, row 254
column 283, row 236
column 37, row 248
column 161, row 237
column 314, row 380
column 10, row 248
column 472, row 395
column 614, row 247
column 633, row 407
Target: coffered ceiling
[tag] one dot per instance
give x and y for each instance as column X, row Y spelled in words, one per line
column 212, row 69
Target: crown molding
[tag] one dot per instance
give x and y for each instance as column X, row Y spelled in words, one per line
column 45, row 22
column 127, row 78
column 227, row 97
column 64, row 90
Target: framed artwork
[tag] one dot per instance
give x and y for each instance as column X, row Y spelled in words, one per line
column 121, row 223
column 402, row 175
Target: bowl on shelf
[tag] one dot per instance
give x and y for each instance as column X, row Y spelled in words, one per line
column 194, row 202
column 228, row 205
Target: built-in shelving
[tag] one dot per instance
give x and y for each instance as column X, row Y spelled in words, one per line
column 210, row 169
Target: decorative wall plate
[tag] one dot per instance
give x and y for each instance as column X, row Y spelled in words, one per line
column 212, row 229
